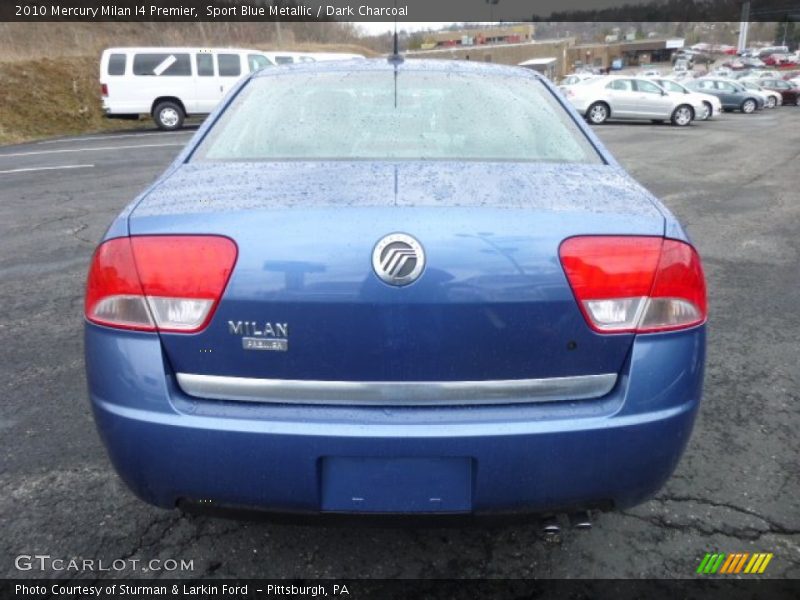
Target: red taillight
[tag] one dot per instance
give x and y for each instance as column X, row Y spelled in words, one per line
column 104, row 89
column 165, row 283
column 635, row 284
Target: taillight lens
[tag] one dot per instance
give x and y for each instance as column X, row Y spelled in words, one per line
column 104, row 89
column 635, row 284
column 164, row 283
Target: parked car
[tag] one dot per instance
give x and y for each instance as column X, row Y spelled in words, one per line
column 735, row 64
column 788, row 90
column 753, row 63
column 781, row 60
column 619, row 97
column 316, row 310
column 574, row 79
column 170, row 84
column 732, row 95
column 681, row 66
column 763, row 53
column 326, row 56
column 705, row 106
column 291, row 58
column 772, row 98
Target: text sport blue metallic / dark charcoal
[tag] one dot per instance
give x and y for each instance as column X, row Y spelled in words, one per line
column 395, row 287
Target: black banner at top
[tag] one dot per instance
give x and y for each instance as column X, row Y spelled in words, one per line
column 397, row 10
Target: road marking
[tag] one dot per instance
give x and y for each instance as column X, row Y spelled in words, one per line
column 47, row 168
column 90, row 138
column 99, row 149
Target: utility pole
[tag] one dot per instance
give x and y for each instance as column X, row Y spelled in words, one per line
column 743, row 26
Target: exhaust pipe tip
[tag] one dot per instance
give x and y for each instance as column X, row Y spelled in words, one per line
column 580, row 520
column 550, row 526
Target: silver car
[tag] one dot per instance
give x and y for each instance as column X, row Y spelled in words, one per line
column 620, row 97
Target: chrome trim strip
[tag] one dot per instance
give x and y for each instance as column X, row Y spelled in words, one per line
column 397, row 393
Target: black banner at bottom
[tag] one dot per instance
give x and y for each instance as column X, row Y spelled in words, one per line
column 262, row 589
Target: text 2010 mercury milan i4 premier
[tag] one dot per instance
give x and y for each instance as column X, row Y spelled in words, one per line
column 395, row 287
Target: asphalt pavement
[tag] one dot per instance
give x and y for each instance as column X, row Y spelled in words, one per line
column 733, row 182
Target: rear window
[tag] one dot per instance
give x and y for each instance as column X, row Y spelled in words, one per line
column 423, row 116
column 162, row 65
column 116, row 64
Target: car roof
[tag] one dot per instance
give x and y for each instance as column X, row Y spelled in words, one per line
column 383, row 64
column 171, row 49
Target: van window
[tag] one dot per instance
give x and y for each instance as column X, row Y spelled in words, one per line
column 116, row 64
column 229, row 65
column 205, row 65
column 284, row 60
column 162, row 64
column 257, row 61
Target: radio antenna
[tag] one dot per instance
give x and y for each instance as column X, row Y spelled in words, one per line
column 396, row 58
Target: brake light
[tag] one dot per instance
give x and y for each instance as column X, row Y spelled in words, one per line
column 104, row 89
column 635, row 284
column 164, row 283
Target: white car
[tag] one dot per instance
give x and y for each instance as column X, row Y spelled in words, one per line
column 575, row 79
column 772, row 99
column 620, row 97
column 326, row 56
column 706, row 106
column 171, row 83
column 721, row 72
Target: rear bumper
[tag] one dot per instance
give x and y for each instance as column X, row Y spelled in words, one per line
column 611, row 451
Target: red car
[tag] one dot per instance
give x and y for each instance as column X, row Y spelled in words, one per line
column 780, row 60
column 790, row 92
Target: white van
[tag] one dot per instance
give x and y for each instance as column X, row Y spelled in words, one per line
column 170, row 84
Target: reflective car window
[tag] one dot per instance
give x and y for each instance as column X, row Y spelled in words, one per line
column 423, row 116
column 647, row 87
column 671, row 86
column 622, row 85
column 257, row 61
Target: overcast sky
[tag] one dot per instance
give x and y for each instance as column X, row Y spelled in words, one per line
column 379, row 27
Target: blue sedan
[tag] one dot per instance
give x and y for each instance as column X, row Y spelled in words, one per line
column 395, row 287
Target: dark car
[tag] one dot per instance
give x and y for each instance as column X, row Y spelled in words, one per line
column 789, row 92
column 357, row 290
column 732, row 95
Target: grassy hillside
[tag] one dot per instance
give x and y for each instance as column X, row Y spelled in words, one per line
column 49, row 72
column 48, row 97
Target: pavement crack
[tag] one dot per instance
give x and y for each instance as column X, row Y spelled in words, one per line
column 774, row 527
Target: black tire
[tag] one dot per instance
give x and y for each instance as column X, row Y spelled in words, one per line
column 168, row 115
column 598, row 113
column 682, row 116
column 708, row 112
column 749, row 106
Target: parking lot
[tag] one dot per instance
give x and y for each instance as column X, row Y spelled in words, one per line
column 732, row 181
